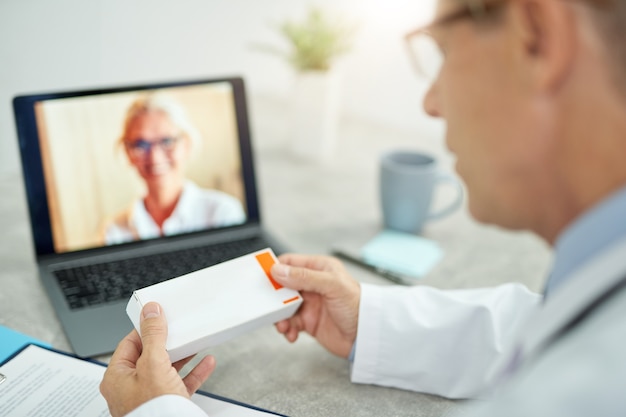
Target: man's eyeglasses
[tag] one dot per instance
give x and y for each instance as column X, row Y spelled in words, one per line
column 426, row 55
column 140, row 148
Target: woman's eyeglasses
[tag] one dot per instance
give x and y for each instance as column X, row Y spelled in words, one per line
column 140, row 147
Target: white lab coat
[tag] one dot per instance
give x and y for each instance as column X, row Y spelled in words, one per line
column 582, row 372
column 168, row 406
column 453, row 341
column 461, row 343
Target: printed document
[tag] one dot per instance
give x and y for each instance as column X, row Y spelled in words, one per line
column 39, row 382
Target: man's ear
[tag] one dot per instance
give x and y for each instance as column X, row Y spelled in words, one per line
column 545, row 40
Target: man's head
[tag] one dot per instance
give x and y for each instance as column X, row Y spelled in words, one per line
column 530, row 91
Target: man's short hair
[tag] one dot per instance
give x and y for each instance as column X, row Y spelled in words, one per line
column 609, row 17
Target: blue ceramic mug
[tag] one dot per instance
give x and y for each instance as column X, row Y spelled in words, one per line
column 407, row 184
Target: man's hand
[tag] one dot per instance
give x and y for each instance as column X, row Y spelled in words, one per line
column 330, row 310
column 140, row 368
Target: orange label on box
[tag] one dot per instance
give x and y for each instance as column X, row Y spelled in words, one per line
column 267, row 260
column 291, row 299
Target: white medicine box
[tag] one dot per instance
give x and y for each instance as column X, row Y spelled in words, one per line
column 215, row 304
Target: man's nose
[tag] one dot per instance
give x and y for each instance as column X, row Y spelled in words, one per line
column 431, row 101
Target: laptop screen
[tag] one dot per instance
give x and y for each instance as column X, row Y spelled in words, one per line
column 123, row 165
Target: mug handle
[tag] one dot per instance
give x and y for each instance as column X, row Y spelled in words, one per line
column 455, row 204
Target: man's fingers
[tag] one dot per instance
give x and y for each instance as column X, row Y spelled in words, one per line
column 153, row 329
column 317, row 262
column 178, row 365
column 290, row 328
column 302, row 279
column 282, row 326
column 292, row 334
column 200, row 373
column 128, row 350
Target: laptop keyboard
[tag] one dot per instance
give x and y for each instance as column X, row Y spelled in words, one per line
column 91, row 285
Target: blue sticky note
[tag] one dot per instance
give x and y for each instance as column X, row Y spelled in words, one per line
column 11, row 341
column 402, row 253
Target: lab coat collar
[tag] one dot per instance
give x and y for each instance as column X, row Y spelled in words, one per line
column 586, row 285
column 588, row 235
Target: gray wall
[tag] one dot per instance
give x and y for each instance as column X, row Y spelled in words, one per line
column 70, row 44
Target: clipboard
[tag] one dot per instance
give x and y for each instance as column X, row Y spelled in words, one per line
column 13, row 341
column 42, row 381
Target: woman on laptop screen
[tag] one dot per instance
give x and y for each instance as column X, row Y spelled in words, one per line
column 158, row 140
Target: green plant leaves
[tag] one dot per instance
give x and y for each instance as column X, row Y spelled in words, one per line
column 314, row 42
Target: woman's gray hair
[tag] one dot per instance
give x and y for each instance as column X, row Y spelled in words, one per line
column 163, row 103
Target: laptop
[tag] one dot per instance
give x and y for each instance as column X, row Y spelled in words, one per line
column 134, row 185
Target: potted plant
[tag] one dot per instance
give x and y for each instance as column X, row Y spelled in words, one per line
column 313, row 46
column 315, row 42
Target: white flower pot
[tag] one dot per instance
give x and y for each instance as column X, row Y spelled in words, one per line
column 315, row 114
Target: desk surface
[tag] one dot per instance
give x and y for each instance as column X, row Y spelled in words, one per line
column 309, row 206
